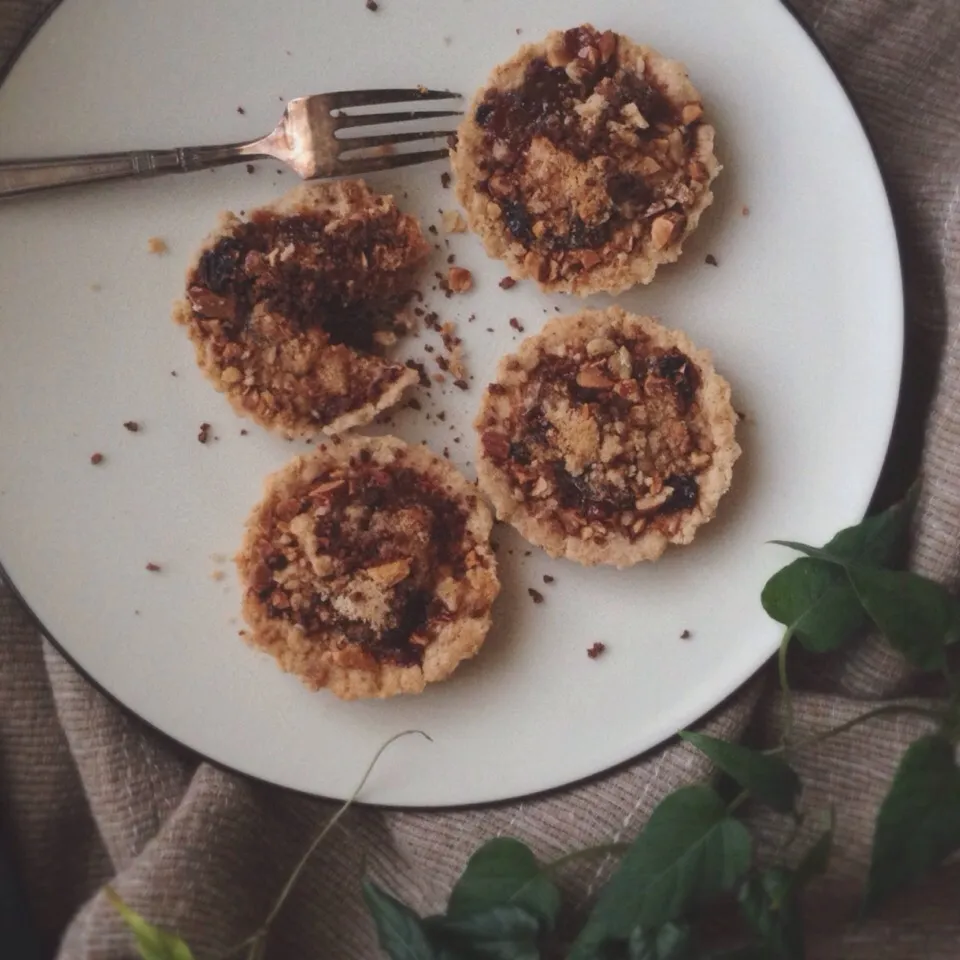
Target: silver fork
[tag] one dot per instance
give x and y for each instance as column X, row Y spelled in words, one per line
column 304, row 139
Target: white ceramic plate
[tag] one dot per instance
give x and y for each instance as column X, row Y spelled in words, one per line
column 804, row 314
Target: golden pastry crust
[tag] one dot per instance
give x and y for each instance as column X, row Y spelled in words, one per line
column 585, row 162
column 289, row 311
column 606, row 437
column 367, row 568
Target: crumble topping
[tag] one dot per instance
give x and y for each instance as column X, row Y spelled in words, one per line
column 291, row 310
column 586, row 161
column 367, row 568
column 606, row 437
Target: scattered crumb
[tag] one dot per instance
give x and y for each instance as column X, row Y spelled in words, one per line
column 132, row 426
column 217, row 575
column 445, row 180
column 251, row 168
column 516, row 324
column 373, row 6
column 712, row 260
column 507, row 283
column 173, row 373
column 157, row 245
column 595, row 651
column 535, row 595
column 153, row 567
column 241, row 111
column 461, row 384
column 686, row 635
column 96, row 459
column 422, row 89
column 439, row 378
column 741, row 415
column 244, row 432
column 548, row 579
column 432, row 229
column 95, row 287
column 745, row 211
column 204, row 435
column 519, row 31
column 453, row 222
column 460, row 279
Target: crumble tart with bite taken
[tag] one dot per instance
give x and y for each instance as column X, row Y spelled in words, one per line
column 367, row 568
column 585, row 162
column 607, row 437
column 290, row 310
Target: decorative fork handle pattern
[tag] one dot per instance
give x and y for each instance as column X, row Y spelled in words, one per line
column 18, row 177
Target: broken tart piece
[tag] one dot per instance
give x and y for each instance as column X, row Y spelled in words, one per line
column 585, row 162
column 291, row 309
column 606, row 437
column 367, row 568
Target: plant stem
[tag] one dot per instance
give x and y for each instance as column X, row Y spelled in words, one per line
column 256, row 940
column 600, row 850
column 787, row 734
column 738, row 801
column 890, row 709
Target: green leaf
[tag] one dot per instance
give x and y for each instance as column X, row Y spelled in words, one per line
column 672, row 941
column 771, row 780
column 815, row 600
column 502, row 933
column 505, row 872
column 919, row 821
column 877, row 540
column 152, row 942
column 690, row 850
column 770, row 909
column 874, row 542
column 916, row 615
column 399, row 930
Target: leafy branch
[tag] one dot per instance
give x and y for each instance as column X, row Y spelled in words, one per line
column 695, row 854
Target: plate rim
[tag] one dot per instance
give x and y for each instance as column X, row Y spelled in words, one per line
column 193, row 752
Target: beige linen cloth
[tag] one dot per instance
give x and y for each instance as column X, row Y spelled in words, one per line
column 88, row 796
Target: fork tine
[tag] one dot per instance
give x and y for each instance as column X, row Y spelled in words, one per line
column 344, row 121
column 369, row 98
column 381, row 140
column 373, row 164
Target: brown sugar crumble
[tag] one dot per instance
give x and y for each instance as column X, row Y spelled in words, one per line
column 204, row 435
column 535, row 595
column 596, row 650
column 586, row 162
column 96, row 459
column 132, row 426
column 367, row 569
column 157, row 245
column 292, row 311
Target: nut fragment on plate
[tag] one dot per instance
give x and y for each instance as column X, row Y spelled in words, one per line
column 367, row 568
column 585, row 162
column 606, row 437
column 289, row 310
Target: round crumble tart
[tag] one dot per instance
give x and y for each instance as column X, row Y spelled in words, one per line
column 290, row 310
column 367, row 568
column 585, row 162
column 606, row 437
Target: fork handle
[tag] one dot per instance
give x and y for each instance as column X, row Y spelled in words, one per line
column 18, row 177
